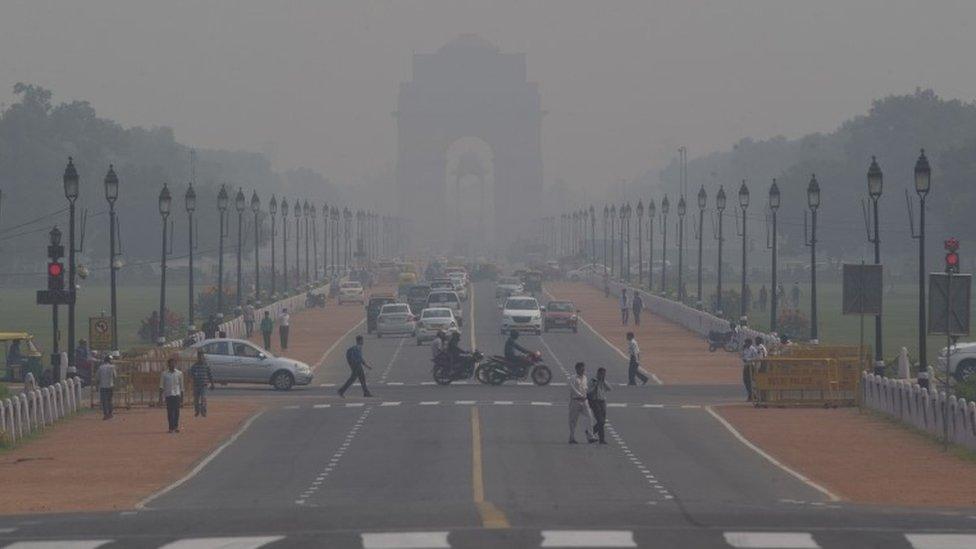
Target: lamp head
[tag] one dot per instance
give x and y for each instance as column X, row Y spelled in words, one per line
column 651, row 209
column 875, row 179
column 665, row 205
column 774, row 197
column 165, row 201
column 702, row 198
column 923, row 175
column 813, row 193
column 190, row 199
column 682, row 207
column 240, row 202
column 640, row 209
column 743, row 195
column 284, row 207
column 720, row 199
column 222, row 198
column 273, row 205
column 255, row 202
column 111, row 185
column 70, row 179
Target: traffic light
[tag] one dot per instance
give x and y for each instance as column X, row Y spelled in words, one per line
column 951, row 257
column 55, row 275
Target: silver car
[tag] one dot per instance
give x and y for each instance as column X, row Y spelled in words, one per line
column 240, row 361
column 395, row 318
column 433, row 320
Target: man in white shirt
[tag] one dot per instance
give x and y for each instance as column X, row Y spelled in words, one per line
column 171, row 388
column 633, row 370
column 749, row 355
column 624, row 307
column 284, row 323
column 578, row 387
column 105, row 378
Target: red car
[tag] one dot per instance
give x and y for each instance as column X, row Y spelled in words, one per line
column 561, row 314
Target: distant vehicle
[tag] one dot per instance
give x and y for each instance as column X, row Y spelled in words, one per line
column 532, row 282
column 561, row 314
column 962, row 364
column 508, row 286
column 373, row 307
column 434, row 319
column 586, row 271
column 522, row 314
column 20, row 356
column 351, row 291
column 460, row 285
column 449, row 300
column 441, row 286
column 396, row 318
column 239, row 361
column 417, row 297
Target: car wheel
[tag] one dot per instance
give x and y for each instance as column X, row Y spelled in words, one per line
column 966, row 370
column 283, row 381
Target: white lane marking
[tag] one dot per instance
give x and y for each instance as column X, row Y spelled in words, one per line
column 771, row 540
column 392, row 383
column 389, row 365
column 830, row 495
column 322, row 406
column 428, row 383
column 464, row 402
column 942, row 541
column 406, row 540
column 554, row 357
column 691, row 406
column 524, row 383
column 651, row 481
column 335, row 344
column 503, row 402
column 616, row 405
column 193, row 472
column 653, row 406
column 7, row 530
column 588, row 538
column 223, row 543
column 60, row 544
column 333, row 462
column 355, row 404
column 327, row 384
column 430, row 402
column 536, row 403
column 390, row 403
column 558, row 384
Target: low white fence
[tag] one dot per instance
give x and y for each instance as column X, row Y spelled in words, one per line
column 33, row 410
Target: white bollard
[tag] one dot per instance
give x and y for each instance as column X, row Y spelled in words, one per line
column 25, row 416
column 50, row 405
column 58, row 401
column 3, row 420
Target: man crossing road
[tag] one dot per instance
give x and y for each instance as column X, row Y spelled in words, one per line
column 578, row 388
column 354, row 357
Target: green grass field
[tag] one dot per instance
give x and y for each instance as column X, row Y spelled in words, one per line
column 18, row 311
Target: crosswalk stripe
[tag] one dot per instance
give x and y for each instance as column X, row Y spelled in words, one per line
column 390, row 403
column 771, row 540
column 503, row 402
column 536, row 403
column 942, row 541
column 395, row 383
column 223, row 543
column 327, row 384
column 616, row 405
column 464, row 402
column 588, row 538
column 60, row 544
column 322, row 406
column 406, row 540
column 654, row 406
column 691, row 406
column 355, row 404
column 430, row 402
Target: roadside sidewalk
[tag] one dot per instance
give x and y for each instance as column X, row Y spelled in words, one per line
column 674, row 354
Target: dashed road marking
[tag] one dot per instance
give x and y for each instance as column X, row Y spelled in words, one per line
column 60, row 544
column 390, row 403
column 771, row 540
column 223, row 543
column 429, row 402
column 322, row 406
column 942, row 541
column 588, row 538
column 332, row 463
column 406, row 540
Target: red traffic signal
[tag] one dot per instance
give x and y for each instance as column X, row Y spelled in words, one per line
column 952, row 261
column 55, row 276
column 951, row 244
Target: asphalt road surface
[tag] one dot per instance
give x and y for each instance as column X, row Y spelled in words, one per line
column 468, row 465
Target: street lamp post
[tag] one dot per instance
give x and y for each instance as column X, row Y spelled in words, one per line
column 71, row 192
column 190, row 204
column 744, row 204
column 222, row 199
column 54, row 239
column 702, row 202
column 256, row 209
column 606, row 221
column 813, row 202
column 682, row 209
column 165, row 200
column 651, row 210
column 111, row 195
column 284, row 245
column 923, row 183
column 325, row 240
column 623, row 217
column 665, row 208
column 640, row 243
column 306, row 214
column 774, row 201
column 720, row 208
column 315, row 241
column 613, row 238
column 592, row 234
column 240, row 203
column 298, row 237
column 875, row 186
column 273, row 210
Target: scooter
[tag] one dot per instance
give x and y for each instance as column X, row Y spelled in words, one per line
column 722, row 340
column 314, row 300
column 445, row 372
column 497, row 370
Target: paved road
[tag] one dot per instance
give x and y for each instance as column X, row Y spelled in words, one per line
column 469, row 465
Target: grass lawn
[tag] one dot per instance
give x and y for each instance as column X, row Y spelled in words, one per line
column 18, row 311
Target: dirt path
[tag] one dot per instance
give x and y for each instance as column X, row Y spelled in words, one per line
column 674, row 354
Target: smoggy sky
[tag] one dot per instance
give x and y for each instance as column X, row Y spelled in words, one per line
column 624, row 83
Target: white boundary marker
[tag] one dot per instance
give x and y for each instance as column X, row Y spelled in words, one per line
column 799, row 476
column 203, row 463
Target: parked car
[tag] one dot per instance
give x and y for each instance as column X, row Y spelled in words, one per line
column 417, row 297
column 522, row 313
column 560, row 314
column 351, row 291
column 240, row 361
column 434, row 319
column 508, row 286
column 449, row 300
column 395, row 318
column 962, row 364
column 373, row 307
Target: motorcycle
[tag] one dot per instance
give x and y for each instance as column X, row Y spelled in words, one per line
column 722, row 340
column 445, row 372
column 314, row 300
column 497, row 370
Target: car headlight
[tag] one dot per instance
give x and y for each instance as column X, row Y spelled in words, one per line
column 302, row 368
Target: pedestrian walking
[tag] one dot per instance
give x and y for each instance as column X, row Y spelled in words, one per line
column 202, row 376
column 761, row 350
column 171, row 389
column 762, row 298
column 795, row 294
column 633, row 370
column 606, row 283
column 210, row 327
column 637, row 304
column 284, row 323
column 624, row 306
column 267, row 328
column 749, row 354
column 249, row 319
column 578, row 388
column 105, row 378
column 596, row 397
column 354, row 357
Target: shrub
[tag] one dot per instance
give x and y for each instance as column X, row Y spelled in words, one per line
column 173, row 325
column 793, row 324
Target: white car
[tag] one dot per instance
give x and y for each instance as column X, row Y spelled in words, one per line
column 586, row 271
column 351, row 292
column 962, row 364
column 460, row 284
column 432, row 320
column 441, row 286
column 447, row 299
column 523, row 314
column 395, row 318
column 508, row 286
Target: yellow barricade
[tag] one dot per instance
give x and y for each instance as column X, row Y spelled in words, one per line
column 138, row 374
column 806, row 381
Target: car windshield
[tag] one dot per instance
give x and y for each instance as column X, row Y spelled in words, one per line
column 436, row 313
column 561, row 306
column 522, row 304
column 394, row 309
column 442, row 297
column 377, row 303
column 509, row 281
column 418, row 291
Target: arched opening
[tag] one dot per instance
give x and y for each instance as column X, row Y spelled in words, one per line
column 469, row 193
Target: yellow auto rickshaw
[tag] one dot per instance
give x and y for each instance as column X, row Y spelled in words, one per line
column 20, row 356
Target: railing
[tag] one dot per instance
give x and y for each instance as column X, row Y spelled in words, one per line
column 33, row 410
column 923, row 409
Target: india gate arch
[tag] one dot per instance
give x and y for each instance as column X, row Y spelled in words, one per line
column 469, row 89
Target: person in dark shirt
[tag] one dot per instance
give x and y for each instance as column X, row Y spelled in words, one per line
column 354, row 357
column 512, row 348
column 202, row 376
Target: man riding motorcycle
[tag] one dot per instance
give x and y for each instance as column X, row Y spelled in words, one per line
column 512, row 350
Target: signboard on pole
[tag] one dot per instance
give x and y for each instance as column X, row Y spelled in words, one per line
column 956, row 314
column 862, row 289
column 100, row 333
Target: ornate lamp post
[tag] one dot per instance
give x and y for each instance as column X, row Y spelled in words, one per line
column 702, row 202
column 613, row 237
column 682, row 209
column 640, row 243
column 165, row 200
column 923, row 183
column 744, row 204
column 665, row 208
column 273, row 210
column 297, row 209
column 325, row 240
column 240, row 203
column 592, row 234
column 71, row 192
column 774, row 200
column 306, row 214
column 190, row 203
column 315, row 244
column 875, row 186
column 623, row 217
column 813, row 201
column 284, row 245
column 256, row 209
column 606, row 221
column 651, row 210
column 222, row 200
column 111, row 195
column 720, row 208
